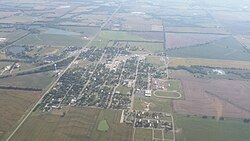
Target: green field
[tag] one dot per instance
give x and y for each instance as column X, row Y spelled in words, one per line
column 226, row 48
column 143, row 134
column 123, row 89
column 150, row 47
column 77, row 124
column 199, row 129
column 174, row 85
column 117, row 35
column 156, row 104
column 155, row 60
column 103, row 126
column 39, row 80
column 52, row 39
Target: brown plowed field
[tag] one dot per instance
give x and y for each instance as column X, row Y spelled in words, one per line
column 13, row 105
column 218, row 98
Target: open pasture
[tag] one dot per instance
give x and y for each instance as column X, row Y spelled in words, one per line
column 52, row 39
column 196, row 128
column 214, row 98
column 224, row 49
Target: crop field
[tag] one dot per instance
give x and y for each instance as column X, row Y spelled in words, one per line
column 214, row 98
column 174, row 62
column 225, row 49
column 197, row 30
column 195, row 128
column 53, row 40
column 12, row 35
column 13, row 105
column 15, row 19
column 150, row 47
column 85, row 31
column 234, row 21
column 244, row 39
column 75, row 124
column 178, row 40
column 39, row 80
column 117, row 35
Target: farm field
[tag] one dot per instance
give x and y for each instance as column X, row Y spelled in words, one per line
column 74, row 124
column 13, row 105
column 196, row 128
column 198, row 30
column 175, row 61
column 244, row 39
column 53, row 40
column 179, row 40
column 39, row 80
column 214, row 98
column 149, row 47
column 224, row 49
column 12, row 35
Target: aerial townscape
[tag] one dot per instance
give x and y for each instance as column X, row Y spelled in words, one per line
column 124, row 70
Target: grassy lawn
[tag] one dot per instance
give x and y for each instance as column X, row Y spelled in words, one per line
column 143, row 134
column 226, row 48
column 174, row 85
column 124, row 89
column 199, row 129
column 156, row 104
column 103, row 126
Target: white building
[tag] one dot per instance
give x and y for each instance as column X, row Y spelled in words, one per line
column 148, row 93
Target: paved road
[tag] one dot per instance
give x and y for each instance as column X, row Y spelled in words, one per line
column 52, row 85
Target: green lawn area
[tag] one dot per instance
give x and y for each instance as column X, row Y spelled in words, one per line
column 53, row 40
column 226, row 48
column 174, row 85
column 156, row 104
column 103, row 126
column 123, row 89
column 155, row 60
column 143, row 134
column 199, row 129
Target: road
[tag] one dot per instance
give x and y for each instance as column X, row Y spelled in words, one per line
column 52, row 85
column 168, row 97
column 133, row 93
column 118, row 84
